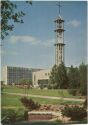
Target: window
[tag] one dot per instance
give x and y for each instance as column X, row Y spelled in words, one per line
column 60, row 25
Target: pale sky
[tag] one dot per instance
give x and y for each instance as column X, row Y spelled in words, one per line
column 31, row 44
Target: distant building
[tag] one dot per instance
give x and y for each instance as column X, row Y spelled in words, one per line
column 41, row 77
column 13, row 75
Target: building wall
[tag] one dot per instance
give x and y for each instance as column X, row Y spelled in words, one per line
column 40, row 75
column 12, row 75
column 15, row 74
column 4, row 75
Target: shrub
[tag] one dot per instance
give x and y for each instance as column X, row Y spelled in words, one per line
column 26, row 114
column 29, row 103
column 76, row 113
column 72, row 91
column 85, row 103
column 10, row 116
column 83, row 90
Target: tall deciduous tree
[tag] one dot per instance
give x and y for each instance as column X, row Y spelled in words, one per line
column 83, row 79
column 9, row 16
column 74, row 77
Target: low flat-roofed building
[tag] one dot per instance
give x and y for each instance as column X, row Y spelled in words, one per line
column 13, row 75
column 41, row 76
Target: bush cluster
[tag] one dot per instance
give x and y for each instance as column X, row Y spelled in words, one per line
column 29, row 103
column 10, row 116
column 76, row 113
column 72, row 91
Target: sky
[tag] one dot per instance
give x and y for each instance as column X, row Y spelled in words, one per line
column 31, row 44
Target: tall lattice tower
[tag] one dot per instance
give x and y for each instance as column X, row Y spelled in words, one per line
column 59, row 44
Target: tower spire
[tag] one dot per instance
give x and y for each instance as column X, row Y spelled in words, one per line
column 59, row 5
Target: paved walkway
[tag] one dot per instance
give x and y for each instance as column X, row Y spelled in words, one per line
column 45, row 97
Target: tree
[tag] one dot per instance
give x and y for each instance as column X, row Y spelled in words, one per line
column 74, row 77
column 62, row 77
column 9, row 16
column 27, row 82
column 58, row 78
column 52, row 84
column 83, row 79
column 22, row 81
column 78, row 80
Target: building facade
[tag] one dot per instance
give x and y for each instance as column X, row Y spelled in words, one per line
column 13, row 75
column 41, row 76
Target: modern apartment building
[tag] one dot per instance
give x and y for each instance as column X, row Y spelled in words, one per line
column 13, row 75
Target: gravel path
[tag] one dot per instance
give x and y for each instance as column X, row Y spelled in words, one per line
column 45, row 97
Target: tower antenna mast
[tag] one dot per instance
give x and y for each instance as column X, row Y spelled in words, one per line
column 59, row 5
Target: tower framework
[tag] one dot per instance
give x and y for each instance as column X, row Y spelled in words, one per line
column 59, row 44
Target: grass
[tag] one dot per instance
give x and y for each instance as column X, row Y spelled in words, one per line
column 50, row 123
column 13, row 101
column 46, row 123
column 38, row 123
column 54, row 93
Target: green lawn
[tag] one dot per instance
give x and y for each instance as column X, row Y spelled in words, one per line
column 13, row 101
column 57, row 93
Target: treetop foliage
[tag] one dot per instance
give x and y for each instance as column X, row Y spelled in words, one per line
column 58, row 77
column 9, row 16
column 72, row 78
